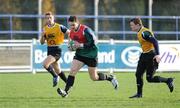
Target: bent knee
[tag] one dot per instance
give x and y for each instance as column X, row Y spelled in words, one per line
column 73, row 72
column 94, row 78
column 45, row 65
column 149, row 79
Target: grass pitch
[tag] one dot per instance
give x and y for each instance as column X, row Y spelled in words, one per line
column 25, row 90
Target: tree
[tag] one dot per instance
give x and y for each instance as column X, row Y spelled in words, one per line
column 48, row 5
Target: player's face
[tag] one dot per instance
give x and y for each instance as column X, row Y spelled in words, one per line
column 134, row 27
column 49, row 19
column 73, row 25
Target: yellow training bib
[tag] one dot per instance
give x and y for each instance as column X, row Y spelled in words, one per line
column 54, row 35
column 146, row 45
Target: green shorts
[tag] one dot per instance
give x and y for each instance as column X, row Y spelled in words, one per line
column 90, row 62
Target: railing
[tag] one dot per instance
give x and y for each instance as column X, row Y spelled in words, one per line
column 123, row 30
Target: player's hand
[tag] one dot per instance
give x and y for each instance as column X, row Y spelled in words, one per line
column 44, row 35
column 77, row 44
column 157, row 58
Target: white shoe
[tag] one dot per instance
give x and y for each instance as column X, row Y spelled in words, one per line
column 62, row 92
column 114, row 82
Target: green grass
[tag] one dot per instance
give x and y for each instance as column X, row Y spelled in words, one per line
column 25, row 90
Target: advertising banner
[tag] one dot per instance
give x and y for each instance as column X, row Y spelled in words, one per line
column 117, row 56
column 170, row 57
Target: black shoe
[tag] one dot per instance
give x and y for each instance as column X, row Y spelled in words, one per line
column 170, row 84
column 136, row 96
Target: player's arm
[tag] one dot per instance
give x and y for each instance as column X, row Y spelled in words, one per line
column 149, row 37
column 90, row 37
column 43, row 38
column 65, row 30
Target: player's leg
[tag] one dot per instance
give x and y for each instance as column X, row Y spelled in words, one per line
column 77, row 64
column 48, row 66
column 75, row 67
column 92, row 69
column 139, row 78
column 101, row 76
column 95, row 76
column 150, row 74
column 57, row 69
column 151, row 69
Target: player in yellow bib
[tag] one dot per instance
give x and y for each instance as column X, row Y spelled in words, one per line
column 149, row 58
column 53, row 34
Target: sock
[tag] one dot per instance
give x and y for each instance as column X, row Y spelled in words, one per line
column 101, row 76
column 63, row 76
column 51, row 71
column 109, row 78
column 69, row 83
column 139, row 89
column 139, row 82
column 104, row 77
column 161, row 79
column 157, row 79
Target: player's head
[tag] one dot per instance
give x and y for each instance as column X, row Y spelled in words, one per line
column 73, row 22
column 135, row 24
column 49, row 18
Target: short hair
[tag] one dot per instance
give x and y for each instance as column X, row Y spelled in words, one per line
column 73, row 19
column 48, row 13
column 136, row 21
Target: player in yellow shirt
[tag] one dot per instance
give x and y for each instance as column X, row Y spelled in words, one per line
column 53, row 34
column 149, row 58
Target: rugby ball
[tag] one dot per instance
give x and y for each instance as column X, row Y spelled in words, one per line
column 71, row 46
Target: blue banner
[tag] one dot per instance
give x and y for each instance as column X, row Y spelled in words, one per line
column 116, row 56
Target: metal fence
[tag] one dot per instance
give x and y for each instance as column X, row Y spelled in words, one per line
column 105, row 26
